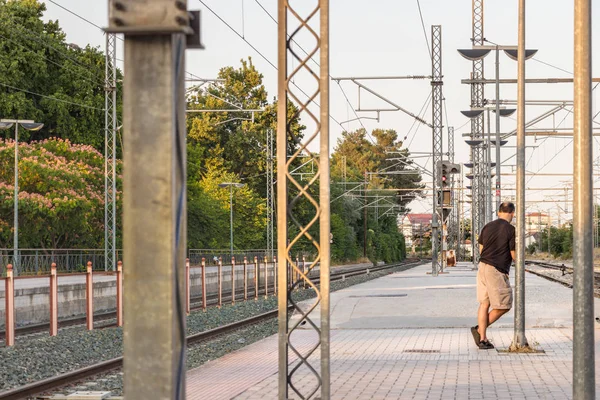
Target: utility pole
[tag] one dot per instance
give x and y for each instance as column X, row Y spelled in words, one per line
column 110, row 153
column 437, row 145
column 270, row 199
column 584, row 376
column 301, row 21
column 477, row 131
column 519, row 340
column 365, row 218
column 154, row 205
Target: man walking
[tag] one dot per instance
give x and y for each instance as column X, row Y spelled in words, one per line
column 497, row 251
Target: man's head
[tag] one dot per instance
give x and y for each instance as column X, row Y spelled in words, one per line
column 506, row 211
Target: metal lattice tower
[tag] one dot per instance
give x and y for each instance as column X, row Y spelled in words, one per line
column 110, row 153
column 311, row 19
column 477, row 132
column 436, row 106
column 270, row 200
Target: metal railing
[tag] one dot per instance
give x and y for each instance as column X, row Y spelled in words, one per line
column 39, row 261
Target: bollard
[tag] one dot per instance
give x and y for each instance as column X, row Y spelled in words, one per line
column 220, row 279
column 203, row 284
column 245, row 278
column 89, row 297
column 275, row 275
column 266, row 278
column 187, row 286
column 304, row 270
column 53, row 301
column 120, row 293
column 255, row 278
column 9, row 293
column 297, row 272
column 232, row 280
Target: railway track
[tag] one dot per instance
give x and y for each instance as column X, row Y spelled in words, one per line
column 54, row 383
column 563, row 268
column 195, row 302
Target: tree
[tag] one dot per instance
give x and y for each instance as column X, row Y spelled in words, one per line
column 61, row 195
column 45, row 79
column 209, row 208
column 237, row 141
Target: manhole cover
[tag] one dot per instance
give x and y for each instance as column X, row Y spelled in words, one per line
column 420, row 351
column 382, row 295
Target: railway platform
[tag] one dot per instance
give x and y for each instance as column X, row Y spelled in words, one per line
column 406, row 336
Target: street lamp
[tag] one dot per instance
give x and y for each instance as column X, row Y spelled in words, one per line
column 231, row 186
column 477, row 53
column 30, row 126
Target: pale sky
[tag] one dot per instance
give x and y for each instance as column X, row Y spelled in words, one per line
column 386, row 38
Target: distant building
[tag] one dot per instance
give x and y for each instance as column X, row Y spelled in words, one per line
column 415, row 226
column 536, row 222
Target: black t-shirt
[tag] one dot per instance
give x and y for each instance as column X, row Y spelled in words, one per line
column 498, row 239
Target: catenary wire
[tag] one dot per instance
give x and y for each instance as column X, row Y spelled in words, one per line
column 330, row 77
column 50, row 97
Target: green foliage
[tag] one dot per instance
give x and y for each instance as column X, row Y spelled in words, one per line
column 61, row 195
column 557, row 241
column 35, row 58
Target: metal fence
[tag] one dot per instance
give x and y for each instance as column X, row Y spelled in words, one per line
column 38, row 261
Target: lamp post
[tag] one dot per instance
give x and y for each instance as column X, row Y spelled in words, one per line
column 231, row 186
column 30, row 126
column 479, row 52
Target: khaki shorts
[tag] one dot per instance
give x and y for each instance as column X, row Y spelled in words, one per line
column 494, row 287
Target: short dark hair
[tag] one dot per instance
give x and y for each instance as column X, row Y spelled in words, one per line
column 506, row 207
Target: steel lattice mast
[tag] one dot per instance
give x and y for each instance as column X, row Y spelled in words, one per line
column 311, row 18
column 477, row 132
column 110, row 153
column 437, row 134
column 270, row 200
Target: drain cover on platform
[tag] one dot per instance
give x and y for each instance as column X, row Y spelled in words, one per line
column 382, row 295
column 420, row 351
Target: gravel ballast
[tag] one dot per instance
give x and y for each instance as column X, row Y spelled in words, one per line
column 40, row 356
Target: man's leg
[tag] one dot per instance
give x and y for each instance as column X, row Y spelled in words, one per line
column 483, row 318
column 495, row 314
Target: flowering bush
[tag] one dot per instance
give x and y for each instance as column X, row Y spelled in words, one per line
column 61, row 195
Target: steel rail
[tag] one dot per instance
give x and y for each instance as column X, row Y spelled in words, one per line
column 211, row 300
column 56, row 382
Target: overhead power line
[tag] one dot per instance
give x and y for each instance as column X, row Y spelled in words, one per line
column 313, row 60
column 30, row 50
column 50, row 97
column 262, row 56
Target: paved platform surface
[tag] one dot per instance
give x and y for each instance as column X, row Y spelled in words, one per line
column 412, row 342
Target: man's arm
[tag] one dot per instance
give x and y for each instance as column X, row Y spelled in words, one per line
column 513, row 255
column 480, row 248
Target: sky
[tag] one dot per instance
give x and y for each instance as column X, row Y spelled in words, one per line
column 387, row 38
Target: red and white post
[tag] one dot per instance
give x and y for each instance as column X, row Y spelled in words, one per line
column 9, row 293
column 120, row 293
column 266, row 277
column 245, row 278
column 255, row 278
column 232, row 280
column 275, row 271
column 89, row 297
column 53, row 301
column 187, row 286
column 203, row 284
column 220, row 279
